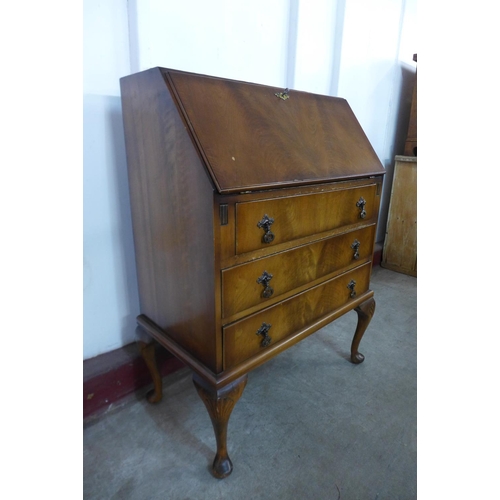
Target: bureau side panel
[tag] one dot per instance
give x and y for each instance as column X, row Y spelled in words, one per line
column 171, row 200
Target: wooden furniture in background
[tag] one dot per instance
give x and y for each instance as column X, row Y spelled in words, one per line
column 254, row 212
column 411, row 139
column 400, row 245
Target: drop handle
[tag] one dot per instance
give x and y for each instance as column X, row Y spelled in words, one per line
column 351, row 286
column 355, row 247
column 264, row 330
column 265, row 224
column 264, row 280
column 361, row 205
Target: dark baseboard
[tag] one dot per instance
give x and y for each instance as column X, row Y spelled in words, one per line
column 111, row 377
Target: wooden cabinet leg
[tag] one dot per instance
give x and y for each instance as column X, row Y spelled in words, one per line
column 220, row 404
column 148, row 354
column 365, row 312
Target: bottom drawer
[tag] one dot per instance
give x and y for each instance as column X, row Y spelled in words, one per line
column 242, row 339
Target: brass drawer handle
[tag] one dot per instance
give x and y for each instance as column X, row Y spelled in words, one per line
column 355, row 247
column 351, row 286
column 265, row 224
column 263, row 330
column 361, row 205
column 264, row 280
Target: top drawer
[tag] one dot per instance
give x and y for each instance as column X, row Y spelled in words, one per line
column 265, row 223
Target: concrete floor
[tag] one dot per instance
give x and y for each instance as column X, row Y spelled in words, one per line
column 310, row 425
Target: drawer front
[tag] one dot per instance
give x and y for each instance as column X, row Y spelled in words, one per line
column 241, row 340
column 250, row 284
column 299, row 216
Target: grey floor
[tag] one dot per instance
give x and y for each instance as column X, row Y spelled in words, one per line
column 310, row 425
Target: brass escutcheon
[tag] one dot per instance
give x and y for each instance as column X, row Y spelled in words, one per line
column 355, row 247
column 351, row 286
column 264, row 280
column 361, row 205
column 263, row 330
column 265, row 224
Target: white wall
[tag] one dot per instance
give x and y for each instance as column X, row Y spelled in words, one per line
column 245, row 40
column 375, row 81
column 110, row 291
column 348, row 48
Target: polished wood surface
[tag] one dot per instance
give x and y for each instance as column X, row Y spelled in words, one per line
column 365, row 313
column 400, row 244
column 173, row 231
column 220, row 380
column 293, row 269
column 241, row 340
column 208, row 158
column 251, row 139
column 147, row 350
column 220, row 404
column 300, row 216
column 226, row 233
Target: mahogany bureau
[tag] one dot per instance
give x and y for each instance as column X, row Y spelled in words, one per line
column 254, row 213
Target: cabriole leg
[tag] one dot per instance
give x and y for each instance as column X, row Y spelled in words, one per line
column 148, row 354
column 220, row 404
column 365, row 312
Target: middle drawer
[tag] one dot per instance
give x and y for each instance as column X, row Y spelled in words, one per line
column 255, row 283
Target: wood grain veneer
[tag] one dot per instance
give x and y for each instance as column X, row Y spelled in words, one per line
column 230, row 179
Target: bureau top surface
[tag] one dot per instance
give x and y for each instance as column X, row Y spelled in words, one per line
column 249, row 138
